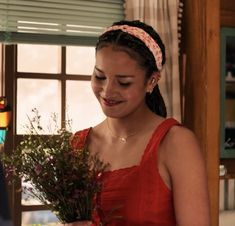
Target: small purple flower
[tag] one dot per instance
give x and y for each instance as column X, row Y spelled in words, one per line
column 38, row 169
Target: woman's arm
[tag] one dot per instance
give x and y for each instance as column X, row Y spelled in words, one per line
column 186, row 166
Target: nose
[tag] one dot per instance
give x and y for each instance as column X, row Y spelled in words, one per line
column 109, row 88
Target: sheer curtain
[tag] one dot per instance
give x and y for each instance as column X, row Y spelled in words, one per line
column 162, row 15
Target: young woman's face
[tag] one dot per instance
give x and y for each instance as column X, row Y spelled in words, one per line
column 118, row 82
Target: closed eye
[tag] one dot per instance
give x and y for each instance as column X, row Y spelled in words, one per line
column 126, row 84
column 100, row 77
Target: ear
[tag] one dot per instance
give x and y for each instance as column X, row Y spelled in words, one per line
column 152, row 81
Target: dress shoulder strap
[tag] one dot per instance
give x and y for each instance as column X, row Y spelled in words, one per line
column 158, row 135
column 78, row 140
column 164, row 127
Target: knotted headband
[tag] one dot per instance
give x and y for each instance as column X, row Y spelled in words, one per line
column 144, row 37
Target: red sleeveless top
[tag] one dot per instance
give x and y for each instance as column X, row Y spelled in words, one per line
column 137, row 195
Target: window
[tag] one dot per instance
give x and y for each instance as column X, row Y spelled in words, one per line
column 53, row 79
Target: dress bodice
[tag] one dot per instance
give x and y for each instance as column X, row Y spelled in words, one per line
column 136, row 195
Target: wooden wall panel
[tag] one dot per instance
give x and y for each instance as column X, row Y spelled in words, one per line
column 202, row 92
column 227, row 13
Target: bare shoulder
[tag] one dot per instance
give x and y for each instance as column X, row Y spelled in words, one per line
column 180, row 141
column 179, row 134
column 182, row 152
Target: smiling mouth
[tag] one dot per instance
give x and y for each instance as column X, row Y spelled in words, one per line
column 109, row 102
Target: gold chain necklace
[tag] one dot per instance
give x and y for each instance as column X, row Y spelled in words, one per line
column 121, row 138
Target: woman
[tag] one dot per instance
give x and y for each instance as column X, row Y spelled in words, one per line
column 157, row 174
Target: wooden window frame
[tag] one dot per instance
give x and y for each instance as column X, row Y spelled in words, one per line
column 11, row 75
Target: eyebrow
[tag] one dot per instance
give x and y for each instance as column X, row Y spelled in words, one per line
column 120, row 76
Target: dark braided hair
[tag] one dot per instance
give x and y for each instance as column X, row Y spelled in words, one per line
column 136, row 49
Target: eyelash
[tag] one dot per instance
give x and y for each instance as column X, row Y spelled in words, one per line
column 125, row 84
column 99, row 78
column 121, row 83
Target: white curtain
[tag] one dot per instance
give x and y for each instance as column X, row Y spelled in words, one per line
column 162, row 15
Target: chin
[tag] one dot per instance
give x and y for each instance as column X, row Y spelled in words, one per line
column 116, row 114
column 112, row 114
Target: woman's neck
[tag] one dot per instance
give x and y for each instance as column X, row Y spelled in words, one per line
column 130, row 125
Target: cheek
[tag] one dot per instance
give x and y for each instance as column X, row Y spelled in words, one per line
column 95, row 86
column 135, row 93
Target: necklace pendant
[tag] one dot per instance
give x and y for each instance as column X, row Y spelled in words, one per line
column 123, row 139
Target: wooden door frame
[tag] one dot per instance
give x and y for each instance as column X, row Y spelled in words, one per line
column 201, row 44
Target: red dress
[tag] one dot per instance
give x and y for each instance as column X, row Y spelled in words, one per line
column 137, row 195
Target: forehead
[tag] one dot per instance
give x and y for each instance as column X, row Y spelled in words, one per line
column 115, row 57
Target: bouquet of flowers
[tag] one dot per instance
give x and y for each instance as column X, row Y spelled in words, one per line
column 64, row 179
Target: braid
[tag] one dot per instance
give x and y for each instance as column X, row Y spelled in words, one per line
column 136, row 49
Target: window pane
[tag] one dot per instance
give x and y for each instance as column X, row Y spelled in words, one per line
column 26, row 198
column 38, row 58
column 82, row 105
column 80, row 60
column 42, row 94
column 44, row 217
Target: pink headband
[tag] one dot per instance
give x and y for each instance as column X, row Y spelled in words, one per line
column 145, row 38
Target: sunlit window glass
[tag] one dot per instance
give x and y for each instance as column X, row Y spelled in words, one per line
column 44, row 217
column 82, row 105
column 38, row 58
column 80, row 60
column 26, row 197
column 42, row 94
